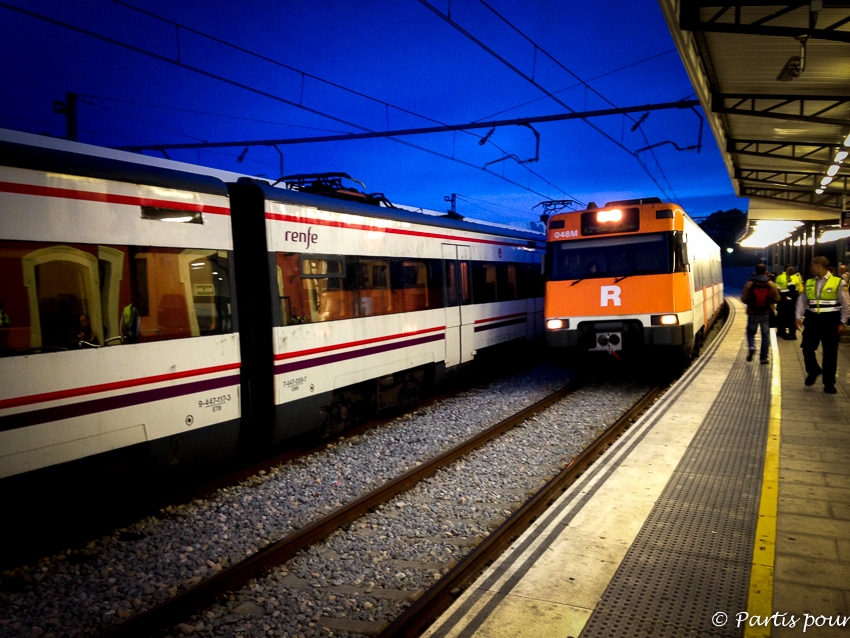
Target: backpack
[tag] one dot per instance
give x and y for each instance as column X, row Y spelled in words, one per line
column 760, row 297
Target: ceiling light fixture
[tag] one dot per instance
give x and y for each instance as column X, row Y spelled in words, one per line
column 840, row 155
column 832, row 170
column 825, row 181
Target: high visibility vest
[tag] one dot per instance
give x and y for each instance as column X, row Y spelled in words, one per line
column 828, row 300
column 130, row 324
column 796, row 280
column 782, row 282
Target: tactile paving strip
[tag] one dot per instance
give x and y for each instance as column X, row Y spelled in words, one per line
column 692, row 557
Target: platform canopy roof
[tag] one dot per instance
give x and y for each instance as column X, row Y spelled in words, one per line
column 774, row 81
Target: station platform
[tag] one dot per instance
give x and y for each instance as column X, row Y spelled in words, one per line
column 723, row 511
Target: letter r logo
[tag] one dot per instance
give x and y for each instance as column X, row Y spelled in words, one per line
column 610, row 293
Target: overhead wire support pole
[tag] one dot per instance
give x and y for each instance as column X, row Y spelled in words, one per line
column 683, row 104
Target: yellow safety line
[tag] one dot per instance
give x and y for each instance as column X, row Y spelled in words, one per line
column 760, row 601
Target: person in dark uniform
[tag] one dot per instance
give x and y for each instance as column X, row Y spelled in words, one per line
column 822, row 310
column 790, row 285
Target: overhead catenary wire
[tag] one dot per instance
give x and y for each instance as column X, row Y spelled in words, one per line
column 246, row 87
column 481, row 203
column 138, row 119
column 572, row 86
column 328, row 82
column 538, row 48
column 538, row 86
column 225, row 115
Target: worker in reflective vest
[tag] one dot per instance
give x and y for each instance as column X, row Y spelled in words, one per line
column 790, row 285
column 822, row 309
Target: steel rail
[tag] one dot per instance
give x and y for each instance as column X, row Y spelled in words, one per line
column 174, row 610
column 439, row 597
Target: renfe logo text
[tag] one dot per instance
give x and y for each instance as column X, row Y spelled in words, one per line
column 308, row 237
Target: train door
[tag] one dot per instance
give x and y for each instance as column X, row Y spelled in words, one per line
column 460, row 318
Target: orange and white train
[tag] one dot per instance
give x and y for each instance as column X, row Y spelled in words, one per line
column 631, row 277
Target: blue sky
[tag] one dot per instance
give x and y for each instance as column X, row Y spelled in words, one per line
column 418, row 68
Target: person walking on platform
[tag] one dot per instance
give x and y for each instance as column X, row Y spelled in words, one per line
column 790, row 285
column 759, row 294
column 822, row 309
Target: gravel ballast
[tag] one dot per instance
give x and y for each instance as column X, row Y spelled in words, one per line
column 362, row 577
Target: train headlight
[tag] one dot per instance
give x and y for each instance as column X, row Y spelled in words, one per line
column 557, row 324
column 665, row 320
column 609, row 215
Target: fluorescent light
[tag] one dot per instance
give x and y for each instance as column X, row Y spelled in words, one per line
column 177, row 219
column 832, row 170
column 769, row 231
column 847, row 141
column 825, row 181
column 819, row 191
column 832, row 235
column 839, row 157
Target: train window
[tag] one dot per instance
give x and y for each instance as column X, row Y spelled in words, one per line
column 290, row 289
column 465, row 283
column 327, row 289
column 507, row 282
column 373, row 286
column 610, row 257
column 485, row 282
column 56, row 297
column 451, row 283
column 523, row 272
column 177, row 293
column 677, row 252
column 416, row 285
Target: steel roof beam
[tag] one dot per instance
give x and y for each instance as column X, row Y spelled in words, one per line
column 783, row 178
column 691, row 20
column 828, row 200
column 778, row 150
column 764, row 106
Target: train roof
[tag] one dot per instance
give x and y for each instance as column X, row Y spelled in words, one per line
column 394, row 214
column 39, row 152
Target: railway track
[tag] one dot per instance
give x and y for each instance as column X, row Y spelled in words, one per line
column 426, row 603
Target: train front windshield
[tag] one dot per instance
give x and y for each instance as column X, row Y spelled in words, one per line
column 650, row 254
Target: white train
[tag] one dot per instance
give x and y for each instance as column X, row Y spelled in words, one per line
column 165, row 314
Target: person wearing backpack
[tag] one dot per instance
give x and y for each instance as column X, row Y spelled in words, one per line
column 822, row 308
column 759, row 293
